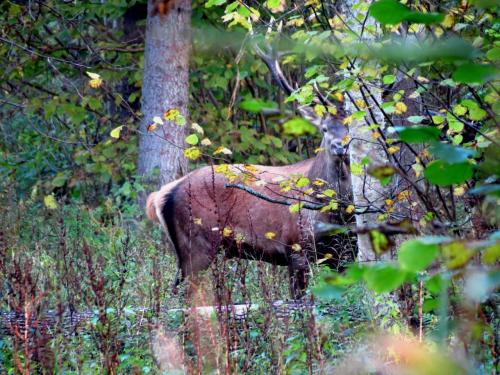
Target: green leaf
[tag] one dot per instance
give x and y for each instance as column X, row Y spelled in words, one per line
column 388, row 79
column 59, row 180
column 298, row 126
column 415, row 119
column 425, row 18
column 477, row 114
column 434, row 284
column 493, row 54
column 418, row 134
column 192, row 139
column 391, row 12
column 328, row 292
column 94, row 103
column 459, row 110
column 211, row 3
column 450, row 154
column 301, row 182
column 271, row 4
column 295, row 208
column 379, row 241
column 442, row 174
column 475, row 73
column 416, row 256
column 384, row 278
column 256, row 105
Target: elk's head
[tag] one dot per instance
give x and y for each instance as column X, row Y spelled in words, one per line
column 335, row 136
column 335, row 133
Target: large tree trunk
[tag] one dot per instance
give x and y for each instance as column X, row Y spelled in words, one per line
column 165, row 86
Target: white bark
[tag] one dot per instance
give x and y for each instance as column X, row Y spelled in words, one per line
column 165, row 86
column 366, row 189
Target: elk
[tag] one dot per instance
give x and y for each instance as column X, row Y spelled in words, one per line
column 211, row 209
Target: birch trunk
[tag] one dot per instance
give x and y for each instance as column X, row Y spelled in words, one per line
column 366, row 190
column 165, row 86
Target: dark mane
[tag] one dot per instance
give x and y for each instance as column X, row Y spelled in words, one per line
column 168, row 213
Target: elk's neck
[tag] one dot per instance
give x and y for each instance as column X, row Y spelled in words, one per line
column 333, row 169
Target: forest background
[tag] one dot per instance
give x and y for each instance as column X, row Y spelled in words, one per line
column 419, row 81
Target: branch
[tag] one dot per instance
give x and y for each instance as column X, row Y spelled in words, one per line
column 309, row 206
column 322, row 228
column 273, row 200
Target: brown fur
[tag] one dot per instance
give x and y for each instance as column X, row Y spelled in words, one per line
column 197, row 208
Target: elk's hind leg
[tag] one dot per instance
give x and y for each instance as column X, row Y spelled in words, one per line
column 298, row 272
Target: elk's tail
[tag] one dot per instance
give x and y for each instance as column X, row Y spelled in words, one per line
column 150, row 207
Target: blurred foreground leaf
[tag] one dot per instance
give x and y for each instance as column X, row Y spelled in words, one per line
column 442, row 174
column 391, row 12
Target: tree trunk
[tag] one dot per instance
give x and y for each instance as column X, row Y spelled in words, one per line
column 366, row 190
column 165, row 86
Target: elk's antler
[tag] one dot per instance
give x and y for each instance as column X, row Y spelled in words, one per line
column 271, row 59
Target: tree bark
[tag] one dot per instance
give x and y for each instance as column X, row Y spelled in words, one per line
column 366, row 189
column 165, row 86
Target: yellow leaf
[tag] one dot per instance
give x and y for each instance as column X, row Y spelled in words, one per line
column 348, row 120
column 319, row 182
column 360, row 103
column 250, row 168
column 95, row 83
column 338, row 95
column 270, row 235
column 332, row 110
column 389, row 202
column 345, row 140
column 227, row 232
column 223, row 150
column 308, row 191
column 296, row 247
column 393, row 149
column 171, row 114
column 152, row 127
column 192, row 153
column 197, row 220
column 350, row 209
column 376, row 135
column 320, row 110
column 95, row 80
column 459, row 191
column 115, row 133
column 50, row 202
column 400, row 108
column 318, row 150
column 403, row 196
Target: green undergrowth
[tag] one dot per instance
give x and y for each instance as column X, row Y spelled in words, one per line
column 111, row 265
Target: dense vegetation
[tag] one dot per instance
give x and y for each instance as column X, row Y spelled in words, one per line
column 419, row 79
